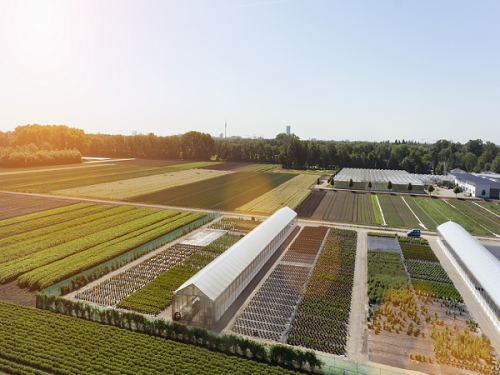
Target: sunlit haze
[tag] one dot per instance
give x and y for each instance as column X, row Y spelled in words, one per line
column 357, row 70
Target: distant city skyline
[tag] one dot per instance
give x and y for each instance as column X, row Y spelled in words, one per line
column 333, row 70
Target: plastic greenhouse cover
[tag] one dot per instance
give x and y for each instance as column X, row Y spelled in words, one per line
column 220, row 273
column 483, row 265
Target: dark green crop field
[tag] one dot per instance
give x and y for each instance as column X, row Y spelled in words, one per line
column 226, row 192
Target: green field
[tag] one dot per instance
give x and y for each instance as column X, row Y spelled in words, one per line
column 44, row 250
column 441, row 212
column 43, row 181
column 226, row 192
column 40, row 342
column 258, row 168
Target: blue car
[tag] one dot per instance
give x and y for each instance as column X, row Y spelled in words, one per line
column 413, row 233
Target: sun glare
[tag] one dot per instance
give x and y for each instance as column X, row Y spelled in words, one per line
column 40, row 18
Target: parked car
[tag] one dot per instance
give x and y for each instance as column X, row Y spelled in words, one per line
column 413, row 233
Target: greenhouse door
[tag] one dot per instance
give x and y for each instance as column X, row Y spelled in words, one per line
column 494, row 193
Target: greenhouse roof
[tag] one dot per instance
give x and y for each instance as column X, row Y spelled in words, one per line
column 481, row 263
column 220, row 273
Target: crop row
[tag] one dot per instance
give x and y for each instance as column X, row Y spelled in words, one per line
column 235, row 224
column 41, row 239
column 225, row 192
column 322, row 317
column 12, row 269
column 156, row 295
column 271, row 309
column 478, row 217
column 30, row 225
column 442, row 212
column 485, row 209
column 112, row 290
column 427, row 271
column 38, row 215
column 437, row 290
column 258, row 167
column 288, row 194
column 142, row 185
column 43, row 181
column 385, row 272
column 64, row 345
column 50, row 274
column 420, row 252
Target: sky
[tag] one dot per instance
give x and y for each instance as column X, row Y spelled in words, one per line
column 359, row 70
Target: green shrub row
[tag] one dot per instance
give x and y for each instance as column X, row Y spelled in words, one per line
column 115, row 349
column 419, row 252
column 47, row 222
column 51, row 274
column 37, row 215
column 69, row 231
column 13, row 269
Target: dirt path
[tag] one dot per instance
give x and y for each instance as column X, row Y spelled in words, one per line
column 357, row 344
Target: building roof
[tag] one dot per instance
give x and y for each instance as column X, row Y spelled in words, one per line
column 220, row 273
column 481, row 263
column 457, row 170
column 475, row 179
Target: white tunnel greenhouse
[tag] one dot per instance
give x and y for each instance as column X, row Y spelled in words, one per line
column 206, row 296
column 477, row 266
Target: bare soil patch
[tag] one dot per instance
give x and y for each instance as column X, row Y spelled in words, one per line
column 13, row 205
column 10, row 292
column 394, row 349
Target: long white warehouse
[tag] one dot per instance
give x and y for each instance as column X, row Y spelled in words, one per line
column 206, row 296
column 477, row 266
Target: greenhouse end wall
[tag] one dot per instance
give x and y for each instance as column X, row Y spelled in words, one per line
column 190, row 303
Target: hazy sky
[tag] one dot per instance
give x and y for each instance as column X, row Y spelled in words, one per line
column 357, row 70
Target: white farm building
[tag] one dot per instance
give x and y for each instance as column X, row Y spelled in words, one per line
column 474, row 184
column 478, row 267
column 206, row 296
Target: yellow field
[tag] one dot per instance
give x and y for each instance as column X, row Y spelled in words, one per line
column 142, row 185
column 288, row 194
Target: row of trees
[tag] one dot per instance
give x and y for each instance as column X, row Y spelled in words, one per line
column 30, row 156
column 287, row 150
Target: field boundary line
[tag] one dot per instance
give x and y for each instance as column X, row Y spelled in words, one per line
column 491, row 212
column 414, row 214
column 482, row 226
column 381, row 212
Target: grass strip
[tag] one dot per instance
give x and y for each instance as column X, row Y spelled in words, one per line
column 38, row 215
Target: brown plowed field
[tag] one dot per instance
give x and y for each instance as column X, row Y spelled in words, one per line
column 306, row 245
column 311, row 203
column 347, row 207
column 228, row 166
column 331, row 207
column 12, row 205
column 150, row 162
column 10, row 292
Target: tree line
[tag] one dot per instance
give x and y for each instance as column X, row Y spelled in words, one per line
column 288, row 150
column 30, row 156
